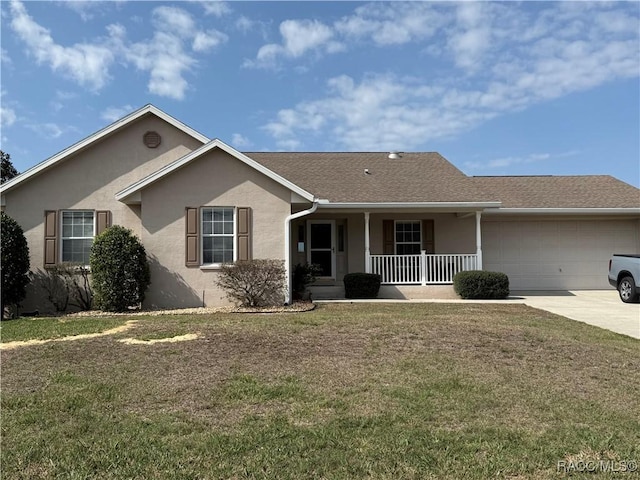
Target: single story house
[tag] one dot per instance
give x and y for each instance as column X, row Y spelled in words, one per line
column 414, row 218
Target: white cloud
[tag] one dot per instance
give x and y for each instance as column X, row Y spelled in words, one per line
column 504, row 162
column 298, row 38
column 204, row 41
column 111, row 114
column 167, row 56
column 506, row 67
column 166, row 61
column 87, row 9
column 7, row 116
column 88, row 64
column 471, row 36
column 392, row 23
column 215, row 7
column 173, row 20
column 61, row 98
column 240, row 141
column 4, row 57
column 48, row 130
column 246, row 25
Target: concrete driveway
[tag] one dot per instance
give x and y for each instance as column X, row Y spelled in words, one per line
column 602, row 308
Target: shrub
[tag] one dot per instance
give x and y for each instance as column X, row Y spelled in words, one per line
column 119, row 270
column 478, row 284
column 14, row 263
column 66, row 284
column 254, row 283
column 303, row 275
column 361, row 285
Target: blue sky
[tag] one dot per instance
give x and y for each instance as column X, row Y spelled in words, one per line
column 504, row 88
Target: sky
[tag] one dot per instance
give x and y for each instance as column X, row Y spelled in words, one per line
column 498, row 88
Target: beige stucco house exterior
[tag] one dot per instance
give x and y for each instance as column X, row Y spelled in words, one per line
column 412, row 217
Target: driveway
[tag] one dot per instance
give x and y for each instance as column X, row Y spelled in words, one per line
column 601, row 308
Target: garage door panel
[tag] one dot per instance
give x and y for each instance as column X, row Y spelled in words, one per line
column 557, row 255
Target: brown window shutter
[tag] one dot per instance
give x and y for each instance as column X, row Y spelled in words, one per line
column 50, row 238
column 428, row 236
column 388, row 234
column 243, row 228
column 192, row 250
column 103, row 221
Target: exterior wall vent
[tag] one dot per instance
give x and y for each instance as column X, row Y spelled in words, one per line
column 151, row 139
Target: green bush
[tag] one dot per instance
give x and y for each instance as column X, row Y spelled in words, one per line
column 303, row 275
column 478, row 284
column 254, row 283
column 14, row 263
column 119, row 270
column 361, row 285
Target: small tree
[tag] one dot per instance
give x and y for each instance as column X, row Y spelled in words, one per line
column 119, row 270
column 254, row 283
column 14, row 262
column 7, row 170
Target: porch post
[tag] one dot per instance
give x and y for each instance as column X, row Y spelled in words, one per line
column 367, row 251
column 478, row 241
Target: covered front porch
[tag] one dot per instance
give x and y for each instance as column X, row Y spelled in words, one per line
column 415, row 251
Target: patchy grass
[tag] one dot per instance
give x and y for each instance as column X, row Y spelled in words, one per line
column 344, row 391
column 41, row 328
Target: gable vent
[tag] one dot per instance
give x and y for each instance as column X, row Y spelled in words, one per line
column 151, row 139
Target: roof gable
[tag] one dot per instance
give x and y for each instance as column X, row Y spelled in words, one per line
column 131, row 193
column 97, row 136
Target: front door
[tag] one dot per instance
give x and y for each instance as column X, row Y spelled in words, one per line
column 322, row 248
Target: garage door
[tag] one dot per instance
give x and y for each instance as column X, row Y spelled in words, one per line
column 556, row 255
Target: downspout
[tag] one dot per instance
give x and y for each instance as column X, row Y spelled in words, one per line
column 478, row 241
column 287, row 247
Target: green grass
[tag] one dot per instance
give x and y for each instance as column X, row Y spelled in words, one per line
column 385, row 391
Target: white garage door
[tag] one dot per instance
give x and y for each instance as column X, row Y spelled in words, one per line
column 556, row 255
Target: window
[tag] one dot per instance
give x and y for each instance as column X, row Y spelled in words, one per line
column 218, row 235
column 408, row 238
column 78, row 231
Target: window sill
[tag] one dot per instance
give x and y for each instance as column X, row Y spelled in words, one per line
column 211, row 266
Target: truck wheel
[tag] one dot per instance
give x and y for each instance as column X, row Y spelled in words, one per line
column 627, row 290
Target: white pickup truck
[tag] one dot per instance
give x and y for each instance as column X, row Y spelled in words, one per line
column 624, row 275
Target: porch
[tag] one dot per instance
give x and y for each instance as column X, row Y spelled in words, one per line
column 416, row 253
column 422, row 269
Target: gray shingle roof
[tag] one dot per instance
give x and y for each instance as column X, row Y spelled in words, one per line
column 340, row 176
column 588, row 191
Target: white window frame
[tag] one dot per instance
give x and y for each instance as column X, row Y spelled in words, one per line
column 212, row 235
column 395, row 236
column 63, row 238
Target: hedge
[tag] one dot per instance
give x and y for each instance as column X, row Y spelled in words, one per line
column 480, row 284
column 361, row 285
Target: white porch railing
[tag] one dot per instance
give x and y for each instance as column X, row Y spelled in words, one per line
column 421, row 269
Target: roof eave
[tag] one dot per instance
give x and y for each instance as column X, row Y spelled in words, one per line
column 325, row 204
column 568, row 211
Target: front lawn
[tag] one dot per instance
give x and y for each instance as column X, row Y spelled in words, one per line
column 386, row 391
